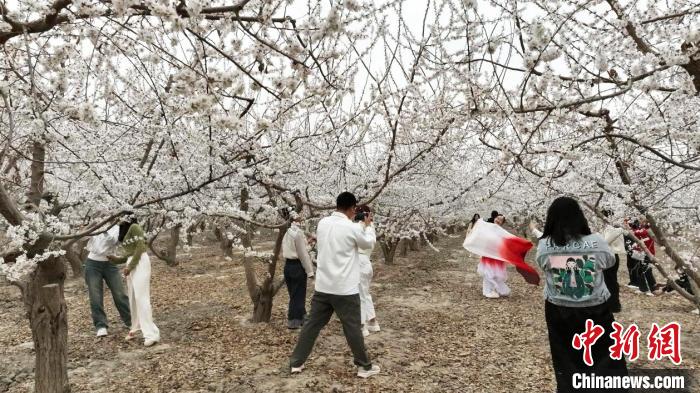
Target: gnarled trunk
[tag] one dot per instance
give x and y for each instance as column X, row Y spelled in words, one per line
column 46, row 307
column 389, row 250
column 262, row 304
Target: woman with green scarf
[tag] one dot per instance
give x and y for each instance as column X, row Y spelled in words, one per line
column 138, row 279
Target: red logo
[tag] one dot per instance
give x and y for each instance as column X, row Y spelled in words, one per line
column 586, row 340
column 626, row 342
column 665, row 342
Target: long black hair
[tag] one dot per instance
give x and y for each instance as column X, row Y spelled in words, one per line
column 124, row 226
column 494, row 214
column 565, row 221
column 475, row 218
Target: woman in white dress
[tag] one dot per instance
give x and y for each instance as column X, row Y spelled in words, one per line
column 367, row 313
column 494, row 273
column 138, row 279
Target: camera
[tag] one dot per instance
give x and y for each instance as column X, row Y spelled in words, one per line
column 360, row 216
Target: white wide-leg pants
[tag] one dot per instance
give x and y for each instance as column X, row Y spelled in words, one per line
column 494, row 278
column 139, row 287
column 366, row 305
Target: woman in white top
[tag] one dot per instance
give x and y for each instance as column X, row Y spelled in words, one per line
column 297, row 269
column 472, row 222
column 368, row 317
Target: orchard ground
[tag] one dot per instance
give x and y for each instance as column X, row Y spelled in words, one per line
column 438, row 333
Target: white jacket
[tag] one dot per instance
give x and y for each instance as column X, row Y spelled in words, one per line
column 614, row 237
column 338, row 242
column 294, row 247
column 104, row 244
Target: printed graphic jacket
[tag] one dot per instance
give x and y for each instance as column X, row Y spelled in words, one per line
column 573, row 273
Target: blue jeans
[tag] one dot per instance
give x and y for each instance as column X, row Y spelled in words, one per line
column 97, row 272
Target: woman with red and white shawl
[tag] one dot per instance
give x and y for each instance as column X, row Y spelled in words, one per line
column 498, row 247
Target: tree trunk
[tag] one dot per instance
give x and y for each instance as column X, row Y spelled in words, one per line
column 191, row 230
column 413, row 244
column 403, row 247
column 262, row 306
column 171, row 252
column 224, row 242
column 46, row 306
column 73, row 258
column 389, row 250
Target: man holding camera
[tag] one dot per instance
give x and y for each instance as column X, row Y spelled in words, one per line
column 337, row 284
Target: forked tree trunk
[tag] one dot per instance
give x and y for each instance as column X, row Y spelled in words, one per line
column 389, row 250
column 261, row 294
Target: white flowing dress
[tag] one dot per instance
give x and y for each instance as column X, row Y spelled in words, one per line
column 139, row 287
column 366, row 273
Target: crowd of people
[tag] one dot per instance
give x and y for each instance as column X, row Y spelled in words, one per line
column 581, row 280
column 580, row 271
column 343, row 273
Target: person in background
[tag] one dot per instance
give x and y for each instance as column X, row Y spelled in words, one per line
column 368, row 315
column 644, row 274
column 472, row 222
column 97, row 271
column 138, row 279
column 631, row 262
column 493, row 272
column 297, row 269
column 614, row 235
column 492, row 219
column 573, row 260
column 337, row 284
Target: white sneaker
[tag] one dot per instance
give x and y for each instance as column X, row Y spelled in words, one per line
column 632, row 286
column 365, row 331
column 101, row 332
column 297, row 370
column 696, row 311
column 649, row 294
column 150, row 343
column 372, row 327
column 362, row 373
column 492, row 295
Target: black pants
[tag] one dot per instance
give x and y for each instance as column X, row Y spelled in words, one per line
column 322, row 307
column 631, row 269
column 610, row 278
column 295, row 278
column 644, row 275
column 562, row 324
